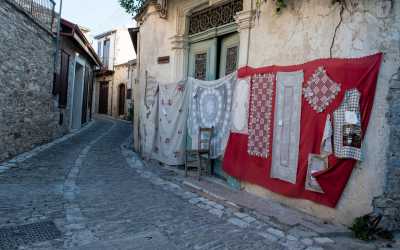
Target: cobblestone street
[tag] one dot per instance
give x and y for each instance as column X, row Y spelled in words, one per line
column 100, row 195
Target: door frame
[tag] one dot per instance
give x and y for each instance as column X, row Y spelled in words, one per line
column 81, row 63
column 121, row 99
column 107, row 95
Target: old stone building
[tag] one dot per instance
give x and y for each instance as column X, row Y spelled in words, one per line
column 28, row 110
column 207, row 38
column 114, row 79
column 75, row 88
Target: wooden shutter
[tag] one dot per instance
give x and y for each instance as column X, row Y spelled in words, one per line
column 63, row 84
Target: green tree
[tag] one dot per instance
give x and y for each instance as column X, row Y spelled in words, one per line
column 132, row 6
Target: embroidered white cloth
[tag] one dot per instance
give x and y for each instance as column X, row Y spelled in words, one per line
column 262, row 91
column 240, row 108
column 286, row 139
column 316, row 163
column 320, row 90
column 210, row 106
column 170, row 139
column 148, row 122
column 347, row 127
column 326, row 144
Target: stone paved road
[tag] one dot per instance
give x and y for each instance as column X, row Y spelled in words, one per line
column 101, row 196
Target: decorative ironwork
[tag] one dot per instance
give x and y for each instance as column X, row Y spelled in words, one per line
column 40, row 10
column 200, row 70
column 214, row 16
column 231, row 60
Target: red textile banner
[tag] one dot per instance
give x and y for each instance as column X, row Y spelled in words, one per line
column 360, row 73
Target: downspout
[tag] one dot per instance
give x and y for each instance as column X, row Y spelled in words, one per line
column 57, row 42
column 249, row 36
column 137, row 80
column 113, row 79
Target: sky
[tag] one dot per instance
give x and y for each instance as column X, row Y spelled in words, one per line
column 97, row 15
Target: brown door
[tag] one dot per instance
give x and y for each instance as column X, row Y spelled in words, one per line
column 103, row 98
column 121, row 99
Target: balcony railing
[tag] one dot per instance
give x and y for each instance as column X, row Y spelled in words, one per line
column 40, row 10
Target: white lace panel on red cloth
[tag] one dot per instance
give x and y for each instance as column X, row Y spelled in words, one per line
column 320, row 90
column 262, row 90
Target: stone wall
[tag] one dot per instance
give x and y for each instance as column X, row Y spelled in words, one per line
column 388, row 204
column 28, row 114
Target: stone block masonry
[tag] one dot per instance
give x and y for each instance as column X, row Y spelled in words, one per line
column 28, row 113
column 388, row 204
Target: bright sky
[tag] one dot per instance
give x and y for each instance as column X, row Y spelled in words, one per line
column 97, row 15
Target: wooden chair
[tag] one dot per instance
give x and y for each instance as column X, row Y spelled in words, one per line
column 200, row 158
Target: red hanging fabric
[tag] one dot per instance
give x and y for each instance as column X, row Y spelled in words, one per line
column 359, row 73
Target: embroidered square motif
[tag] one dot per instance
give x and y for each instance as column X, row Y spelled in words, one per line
column 320, row 90
column 260, row 117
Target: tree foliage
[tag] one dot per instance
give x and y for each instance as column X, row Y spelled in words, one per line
column 132, row 6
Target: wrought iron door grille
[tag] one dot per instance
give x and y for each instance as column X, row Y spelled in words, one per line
column 214, row 16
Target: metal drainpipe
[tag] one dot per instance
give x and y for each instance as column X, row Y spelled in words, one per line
column 57, row 41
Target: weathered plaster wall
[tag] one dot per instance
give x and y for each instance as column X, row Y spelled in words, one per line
column 304, row 31
column 124, row 50
column 28, row 113
column 120, row 77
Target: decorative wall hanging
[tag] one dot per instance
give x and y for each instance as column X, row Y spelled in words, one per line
column 320, row 90
column 326, row 144
column 211, row 104
column 240, row 107
column 172, row 118
column 316, row 163
column 347, row 125
column 149, row 117
column 260, row 118
column 360, row 74
column 285, row 147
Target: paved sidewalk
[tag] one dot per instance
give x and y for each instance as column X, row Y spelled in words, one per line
column 90, row 191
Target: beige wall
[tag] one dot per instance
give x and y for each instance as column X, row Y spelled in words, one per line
column 303, row 31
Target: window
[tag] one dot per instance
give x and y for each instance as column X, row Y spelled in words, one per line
column 129, row 94
column 62, row 99
column 106, row 52
column 200, row 70
column 99, row 48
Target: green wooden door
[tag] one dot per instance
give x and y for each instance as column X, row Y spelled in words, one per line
column 228, row 61
column 203, row 60
column 209, row 60
column 229, row 55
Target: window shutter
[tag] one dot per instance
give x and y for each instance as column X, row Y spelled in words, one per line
column 63, row 84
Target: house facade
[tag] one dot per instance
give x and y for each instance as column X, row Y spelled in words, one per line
column 114, row 79
column 207, row 39
column 78, row 62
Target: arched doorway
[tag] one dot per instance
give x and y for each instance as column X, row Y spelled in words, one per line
column 121, row 99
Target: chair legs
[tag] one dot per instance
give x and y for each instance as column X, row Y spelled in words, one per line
column 199, row 167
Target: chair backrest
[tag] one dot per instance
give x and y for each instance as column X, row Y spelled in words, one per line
column 205, row 135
